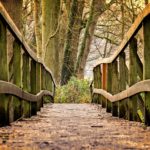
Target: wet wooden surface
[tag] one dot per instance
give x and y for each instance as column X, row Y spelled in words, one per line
column 74, row 127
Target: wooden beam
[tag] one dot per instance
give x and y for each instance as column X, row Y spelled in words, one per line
column 17, row 78
column 26, row 84
column 115, row 87
column 122, row 84
column 142, row 86
column 146, row 66
column 133, row 73
column 109, row 86
column 4, row 113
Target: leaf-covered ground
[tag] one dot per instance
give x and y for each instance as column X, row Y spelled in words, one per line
column 74, row 127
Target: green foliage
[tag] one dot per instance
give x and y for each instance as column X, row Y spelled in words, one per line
column 76, row 91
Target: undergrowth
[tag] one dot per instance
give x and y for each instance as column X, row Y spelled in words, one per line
column 76, row 91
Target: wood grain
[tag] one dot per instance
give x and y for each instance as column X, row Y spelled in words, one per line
column 9, row 88
column 142, row 86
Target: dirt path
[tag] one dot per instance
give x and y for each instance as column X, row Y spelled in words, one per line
column 74, row 127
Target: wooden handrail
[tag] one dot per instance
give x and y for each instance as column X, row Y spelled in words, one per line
column 9, row 88
column 15, row 31
column 131, row 32
column 142, row 86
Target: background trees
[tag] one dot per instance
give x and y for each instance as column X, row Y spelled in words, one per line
column 69, row 35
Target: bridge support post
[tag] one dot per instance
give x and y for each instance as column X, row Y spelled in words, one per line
column 133, row 79
column 38, row 84
column 26, row 85
column 122, row 84
column 4, row 113
column 94, row 95
column 17, row 110
column 146, row 67
column 33, row 86
column 115, row 87
column 99, row 82
column 109, row 88
column 104, row 77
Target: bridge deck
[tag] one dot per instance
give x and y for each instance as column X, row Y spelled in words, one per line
column 74, row 126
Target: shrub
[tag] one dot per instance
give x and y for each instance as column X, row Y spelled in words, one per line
column 76, row 91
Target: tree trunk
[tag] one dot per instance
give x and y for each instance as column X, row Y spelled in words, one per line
column 50, row 28
column 97, row 8
column 87, row 38
column 38, row 35
column 72, row 40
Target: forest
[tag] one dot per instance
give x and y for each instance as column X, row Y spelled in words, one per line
column 69, row 35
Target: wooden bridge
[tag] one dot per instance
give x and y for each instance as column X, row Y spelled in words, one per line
column 121, row 85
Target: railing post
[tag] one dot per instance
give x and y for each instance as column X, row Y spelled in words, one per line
column 104, row 78
column 38, row 84
column 99, row 83
column 133, row 79
column 17, row 111
column 4, row 113
column 95, row 96
column 115, row 86
column 146, row 66
column 26, row 84
column 109, row 88
column 122, row 84
column 33, row 86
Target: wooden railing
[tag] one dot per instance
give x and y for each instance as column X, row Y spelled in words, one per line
column 122, row 81
column 25, row 82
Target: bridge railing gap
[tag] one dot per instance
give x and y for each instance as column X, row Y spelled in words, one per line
column 121, row 82
column 31, row 83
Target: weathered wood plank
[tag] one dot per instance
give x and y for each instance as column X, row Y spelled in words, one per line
column 17, row 78
column 12, row 89
column 142, row 86
column 109, row 86
column 122, row 83
column 133, row 73
column 146, row 66
column 33, row 86
column 4, row 113
column 26, row 84
column 115, row 87
column 38, row 84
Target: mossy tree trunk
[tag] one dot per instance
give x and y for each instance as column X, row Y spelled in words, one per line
column 50, row 28
column 97, row 8
column 72, row 40
column 37, row 27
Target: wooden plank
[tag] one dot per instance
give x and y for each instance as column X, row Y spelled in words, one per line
column 146, row 66
column 4, row 113
column 122, row 84
column 142, row 86
column 109, row 88
column 99, row 83
column 12, row 89
column 133, row 73
column 104, row 78
column 33, row 86
column 26, row 85
column 17, row 78
column 115, row 87
column 38, row 84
